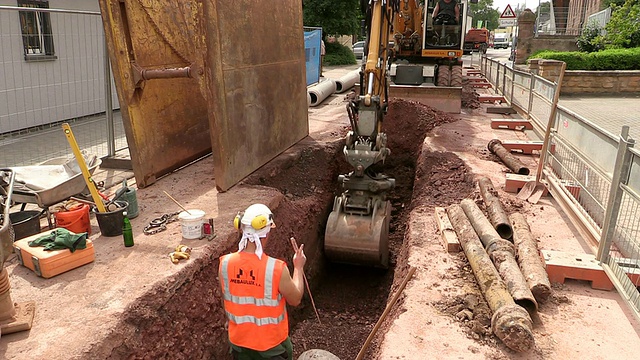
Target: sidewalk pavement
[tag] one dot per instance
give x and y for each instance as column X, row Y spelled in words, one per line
column 609, row 112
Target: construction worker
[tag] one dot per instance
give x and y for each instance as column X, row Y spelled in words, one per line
column 255, row 287
column 449, row 8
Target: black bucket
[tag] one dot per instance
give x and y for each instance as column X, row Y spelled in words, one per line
column 111, row 222
column 25, row 223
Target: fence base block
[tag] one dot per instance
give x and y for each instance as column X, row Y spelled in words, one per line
column 491, row 98
column 511, row 124
column 515, row 182
column 523, row 146
column 561, row 265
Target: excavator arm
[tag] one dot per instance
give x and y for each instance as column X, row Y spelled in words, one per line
column 358, row 226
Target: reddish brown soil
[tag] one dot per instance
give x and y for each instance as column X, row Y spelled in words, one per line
column 469, row 96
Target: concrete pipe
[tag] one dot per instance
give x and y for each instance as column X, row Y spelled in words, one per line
column 321, row 91
column 502, row 253
column 510, row 322
column 347, row 81
column 308, row 99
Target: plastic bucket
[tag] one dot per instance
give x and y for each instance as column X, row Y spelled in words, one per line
column 191, row 224
column 77, row 221
column 25, row 223
column 130, row 197
column 111, row 222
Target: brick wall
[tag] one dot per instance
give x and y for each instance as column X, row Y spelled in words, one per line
column 588, row 82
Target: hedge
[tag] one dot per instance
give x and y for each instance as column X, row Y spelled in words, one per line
column 338, row 54
column 612, row 59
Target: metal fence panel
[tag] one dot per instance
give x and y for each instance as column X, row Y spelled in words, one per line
column 590, row 140
column 582, row 160
column 37, row 93
column 634, row 174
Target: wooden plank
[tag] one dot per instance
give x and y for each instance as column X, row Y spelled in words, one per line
column 562, row 265
column 448, row 234
column 512, row 124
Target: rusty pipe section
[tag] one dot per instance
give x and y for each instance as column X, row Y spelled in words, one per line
column 510, row 322
column 529, row 259
column 497, row 216
column 502, row 253
column 512, row 162
column 140, row 74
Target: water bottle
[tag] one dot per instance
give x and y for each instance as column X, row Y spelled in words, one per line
column 127, row 232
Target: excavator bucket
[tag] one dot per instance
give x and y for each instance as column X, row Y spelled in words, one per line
column 358, row 239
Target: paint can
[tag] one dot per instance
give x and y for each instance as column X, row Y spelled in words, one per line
column 191, row 223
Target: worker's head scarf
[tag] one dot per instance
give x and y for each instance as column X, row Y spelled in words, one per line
column 250, row 233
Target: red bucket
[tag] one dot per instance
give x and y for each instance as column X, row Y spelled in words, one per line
column 76, row 220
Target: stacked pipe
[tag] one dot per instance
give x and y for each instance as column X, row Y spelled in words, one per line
column 510, row 322
column 347, row 81
column 497, row 216
column 502, row 253
column 321, row 91
column 529, row 260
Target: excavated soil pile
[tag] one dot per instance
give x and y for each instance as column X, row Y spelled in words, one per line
column 469, row 96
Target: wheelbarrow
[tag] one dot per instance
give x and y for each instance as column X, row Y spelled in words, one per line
column 66, row 181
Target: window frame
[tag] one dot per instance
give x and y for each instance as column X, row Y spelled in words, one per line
column 36, row 29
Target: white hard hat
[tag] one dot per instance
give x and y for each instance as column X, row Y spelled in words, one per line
column 255, row 218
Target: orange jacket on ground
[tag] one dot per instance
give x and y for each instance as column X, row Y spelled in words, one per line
column 256, row 310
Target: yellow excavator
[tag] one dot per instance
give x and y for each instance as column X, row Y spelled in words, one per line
column 427, row 50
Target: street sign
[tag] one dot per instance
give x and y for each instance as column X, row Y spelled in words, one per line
column 507, row 22
column 508, row 13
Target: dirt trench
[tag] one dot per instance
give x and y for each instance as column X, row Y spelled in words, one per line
column 350, row 299
column 189, row 322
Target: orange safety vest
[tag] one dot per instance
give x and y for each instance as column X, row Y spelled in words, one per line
column 255, row 308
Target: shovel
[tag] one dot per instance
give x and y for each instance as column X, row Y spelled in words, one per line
column 533, row 190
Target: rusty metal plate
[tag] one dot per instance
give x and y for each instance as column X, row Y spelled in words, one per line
column 165, row 120
column 255, row 83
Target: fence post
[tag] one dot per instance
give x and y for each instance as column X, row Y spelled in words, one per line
column 532, row 79
column 513, row 80
column 621, row 172
column 497, row 76
column 108, row 102
column 504, row 78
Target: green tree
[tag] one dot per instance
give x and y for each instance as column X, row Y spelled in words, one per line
column 544, row 8
column 335, row 17
column 483, row 11
column 608, row 3
column 623, row 30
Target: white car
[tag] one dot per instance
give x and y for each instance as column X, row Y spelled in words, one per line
column 358, row 49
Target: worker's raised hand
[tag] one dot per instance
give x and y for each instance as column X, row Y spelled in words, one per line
column 299, row 258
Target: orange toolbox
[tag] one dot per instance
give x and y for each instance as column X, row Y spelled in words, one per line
column 53, row 262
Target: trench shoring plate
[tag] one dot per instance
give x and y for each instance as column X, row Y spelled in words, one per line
column 165, row 120
column 255, row 81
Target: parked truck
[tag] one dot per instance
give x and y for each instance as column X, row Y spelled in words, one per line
column 476, row 40
column 500, row 41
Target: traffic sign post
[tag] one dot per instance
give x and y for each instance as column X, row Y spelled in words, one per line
column 508, row 17
column 508, row 13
